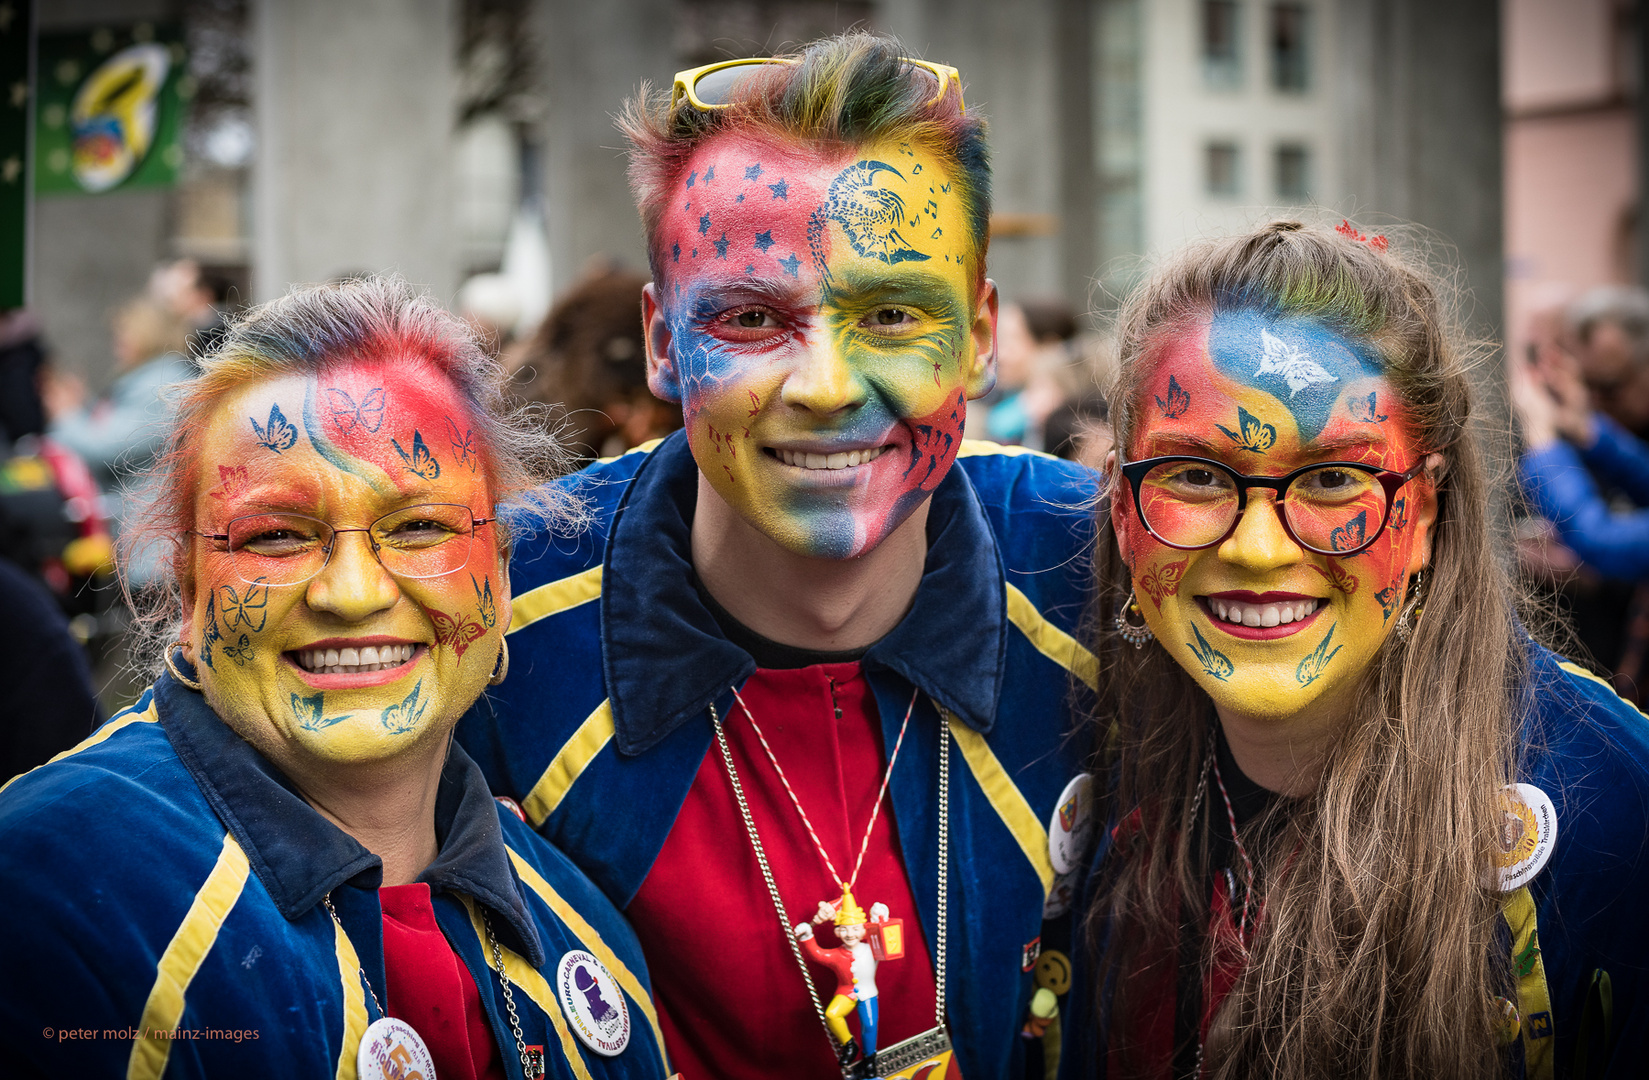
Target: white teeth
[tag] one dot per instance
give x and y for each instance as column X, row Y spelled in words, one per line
column 1262, row 615
column 349, row 661
column 840, row 460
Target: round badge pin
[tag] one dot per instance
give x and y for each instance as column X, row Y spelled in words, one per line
column 1071, row 823
column 1527, row 833
column 595, row 1007
column 391, row 1050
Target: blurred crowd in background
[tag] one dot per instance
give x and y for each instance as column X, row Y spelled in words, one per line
column 1120, row 128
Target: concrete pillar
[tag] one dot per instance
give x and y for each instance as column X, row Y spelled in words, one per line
column 356, row 105
column 592, row 57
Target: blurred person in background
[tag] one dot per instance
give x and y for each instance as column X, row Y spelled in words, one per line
column 1032, row 340
column 197, row 295
column 587, row 358
column 50, row 533
column 119, row 433
column 1587, row 474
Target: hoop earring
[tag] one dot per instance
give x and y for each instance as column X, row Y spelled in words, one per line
column 1408, row 621
column 166, row 658
column 501, row 670
column 1130, row 623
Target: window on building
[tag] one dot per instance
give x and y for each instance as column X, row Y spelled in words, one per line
column 1221, row 162
column 1290, row 47
column 1221, row 43
column 1293, row 172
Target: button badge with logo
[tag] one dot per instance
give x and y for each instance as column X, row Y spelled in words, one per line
column 1072, row 821
column 391, row 1050
column 595, row 1007
column 1527, row 834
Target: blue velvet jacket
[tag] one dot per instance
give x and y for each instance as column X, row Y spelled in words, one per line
column 615, row 661
column 1582, row 914
column 164, row 877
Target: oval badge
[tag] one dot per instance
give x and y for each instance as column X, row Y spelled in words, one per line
column 1071, row 823
column 594, row 1005
column 391, row 1050
column 1527, row 834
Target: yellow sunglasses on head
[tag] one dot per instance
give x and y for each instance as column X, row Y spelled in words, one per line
column 708, row 87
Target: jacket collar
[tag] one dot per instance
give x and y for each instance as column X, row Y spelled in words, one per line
column 299, row 856
column 666, row 660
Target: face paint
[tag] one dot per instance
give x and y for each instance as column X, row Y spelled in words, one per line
column 1268, row 628
column 365, row 441
column 823, row 337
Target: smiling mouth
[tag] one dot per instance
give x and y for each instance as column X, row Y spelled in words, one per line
column 839, row 460
column 1262, row 616
column 353, row 661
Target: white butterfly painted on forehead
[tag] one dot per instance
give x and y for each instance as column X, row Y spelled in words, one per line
column 1291, row 363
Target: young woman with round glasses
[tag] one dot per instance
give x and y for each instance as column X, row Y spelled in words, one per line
column 1361, row 823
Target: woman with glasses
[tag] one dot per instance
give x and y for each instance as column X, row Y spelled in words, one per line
column 277, row 862
column 1361, row 823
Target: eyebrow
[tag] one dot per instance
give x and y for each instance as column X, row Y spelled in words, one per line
column 921, row 287
column 1325, row 446
column 712, row 298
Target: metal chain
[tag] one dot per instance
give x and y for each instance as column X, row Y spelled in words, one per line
column 332, row 911
column 875, row 809
column 767, row 873
column 773, row 888
column 527, row 1066
column 944, row 867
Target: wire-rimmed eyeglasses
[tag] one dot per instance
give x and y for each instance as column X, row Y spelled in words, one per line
column 424, row 541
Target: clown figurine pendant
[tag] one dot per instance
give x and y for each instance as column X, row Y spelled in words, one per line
column 865, row 942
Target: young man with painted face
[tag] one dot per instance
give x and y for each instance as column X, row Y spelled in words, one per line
column 818, row 570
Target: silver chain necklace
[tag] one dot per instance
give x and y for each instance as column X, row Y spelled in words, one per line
column 531, row 1063
column 918, row 1048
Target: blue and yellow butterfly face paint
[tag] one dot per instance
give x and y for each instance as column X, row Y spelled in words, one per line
column 828, row 322
column 1271, row 630
column 354, row 664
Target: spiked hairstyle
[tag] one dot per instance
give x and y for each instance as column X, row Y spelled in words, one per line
column 846, row 90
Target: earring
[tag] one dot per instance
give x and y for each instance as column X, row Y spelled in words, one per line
column 166, row 658
column 501, row 670
column 1130, row 623
column 1409, row 619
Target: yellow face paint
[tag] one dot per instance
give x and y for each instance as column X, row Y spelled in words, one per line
column 827, row 325
column 1271, row 629
column 359, row 441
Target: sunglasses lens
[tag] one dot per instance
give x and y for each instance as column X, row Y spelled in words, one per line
column 716, row 87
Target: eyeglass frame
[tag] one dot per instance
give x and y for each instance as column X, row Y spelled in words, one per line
column 1392, row 482
column 373, row 545
column 685, row 80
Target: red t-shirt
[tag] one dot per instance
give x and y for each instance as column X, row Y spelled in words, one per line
column 730, row 999
column 431, row 989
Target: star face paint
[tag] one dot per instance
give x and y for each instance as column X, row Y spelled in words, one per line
column 1268, row 628
column 825, row 333
column 366, row 439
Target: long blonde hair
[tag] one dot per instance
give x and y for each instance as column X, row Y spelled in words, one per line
column 1376, row 953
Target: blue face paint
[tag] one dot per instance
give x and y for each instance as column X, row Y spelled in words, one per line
column 1301, row 363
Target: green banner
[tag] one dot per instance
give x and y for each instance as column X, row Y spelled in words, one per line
column 110, row 110
column 15, row 40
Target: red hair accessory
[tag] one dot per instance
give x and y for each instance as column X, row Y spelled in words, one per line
column 1378, row 243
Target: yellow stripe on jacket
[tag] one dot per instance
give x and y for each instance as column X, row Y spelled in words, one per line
column 184, row 954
